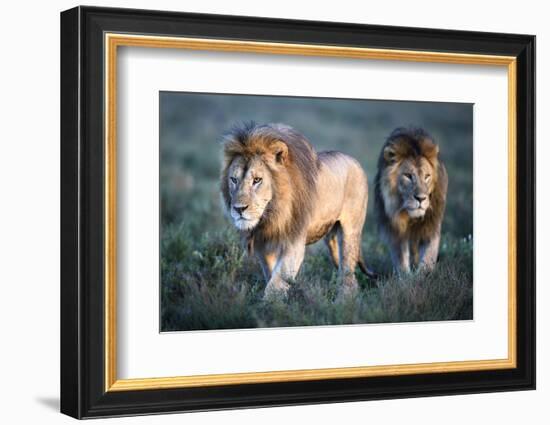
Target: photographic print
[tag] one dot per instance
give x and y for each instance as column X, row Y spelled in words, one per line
column 329, row 214
column 292, row 211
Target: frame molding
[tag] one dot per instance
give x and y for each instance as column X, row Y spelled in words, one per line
column 89, row 41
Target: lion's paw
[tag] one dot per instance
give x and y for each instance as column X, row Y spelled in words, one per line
column 276, row 291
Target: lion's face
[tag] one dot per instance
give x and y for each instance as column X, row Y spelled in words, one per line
column 414, row 186
column 409, row 174
column 250, row 190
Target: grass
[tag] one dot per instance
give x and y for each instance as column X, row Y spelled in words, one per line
column 208, row 281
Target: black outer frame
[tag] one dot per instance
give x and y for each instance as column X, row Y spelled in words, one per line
column 82, row 218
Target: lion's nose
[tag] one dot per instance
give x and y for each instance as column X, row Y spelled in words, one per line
column 240, row 209
column 420, row 198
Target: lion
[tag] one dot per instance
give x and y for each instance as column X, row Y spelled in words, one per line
column 410, row 195
column 281, row 195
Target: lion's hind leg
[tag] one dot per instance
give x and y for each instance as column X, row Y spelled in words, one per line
column 350, row 252
column 332, row 240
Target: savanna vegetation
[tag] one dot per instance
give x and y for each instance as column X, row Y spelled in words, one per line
column 207, row 279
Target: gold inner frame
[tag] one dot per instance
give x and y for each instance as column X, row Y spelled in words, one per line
column 113, row 41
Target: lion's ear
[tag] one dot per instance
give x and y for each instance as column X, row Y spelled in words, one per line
column 430, row 149
column 280, row 151
column 390, row 155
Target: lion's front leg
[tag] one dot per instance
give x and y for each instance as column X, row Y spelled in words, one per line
column 400, row 256
column 267, row 259
column 286, row 268
column 429, row 252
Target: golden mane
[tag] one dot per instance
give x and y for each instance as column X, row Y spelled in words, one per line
column 293, row 165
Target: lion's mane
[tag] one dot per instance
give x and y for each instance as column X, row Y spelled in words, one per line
column 286, row 216
column 409, row 143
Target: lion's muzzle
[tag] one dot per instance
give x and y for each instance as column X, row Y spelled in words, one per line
column 243, row 217
column 417, row 205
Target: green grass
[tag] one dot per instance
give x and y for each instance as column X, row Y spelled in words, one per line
column 208, row 281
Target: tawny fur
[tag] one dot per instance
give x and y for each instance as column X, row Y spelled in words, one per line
column 302, row 197
column 409, row 168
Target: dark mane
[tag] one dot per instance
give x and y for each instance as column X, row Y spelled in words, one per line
column 403, row 143
column 294, row 182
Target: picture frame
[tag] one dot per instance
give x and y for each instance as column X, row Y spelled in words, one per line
column 90, row 40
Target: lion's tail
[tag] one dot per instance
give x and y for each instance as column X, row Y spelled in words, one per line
column 368, row 272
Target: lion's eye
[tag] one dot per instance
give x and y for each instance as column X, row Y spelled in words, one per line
column 408, row 176
column 234, row 180
column 427, row 177
column 257, row 180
